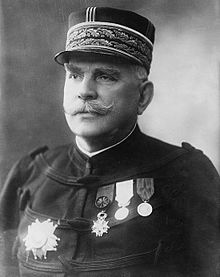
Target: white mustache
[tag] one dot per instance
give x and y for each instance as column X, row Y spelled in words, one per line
column 90, row 106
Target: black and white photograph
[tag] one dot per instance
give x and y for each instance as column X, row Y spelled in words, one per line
column 109, row 138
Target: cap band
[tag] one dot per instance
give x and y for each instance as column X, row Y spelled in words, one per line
column 101, row 24
column 110, row 36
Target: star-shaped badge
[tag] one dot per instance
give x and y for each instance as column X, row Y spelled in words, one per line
column 100, row 226
column 40, row 238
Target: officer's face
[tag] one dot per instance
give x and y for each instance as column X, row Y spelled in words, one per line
column 111, row 91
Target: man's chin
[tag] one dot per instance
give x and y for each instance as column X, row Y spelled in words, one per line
column 87, row 131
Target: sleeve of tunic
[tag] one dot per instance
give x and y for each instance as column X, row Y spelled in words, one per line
column 9, row 214
column 201, row 210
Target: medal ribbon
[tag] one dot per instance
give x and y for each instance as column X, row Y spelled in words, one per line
column 145, row 188
column 104, row 194
column 124, row 192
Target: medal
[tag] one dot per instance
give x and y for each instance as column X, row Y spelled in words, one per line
column 100, row 226
column 104, row 196
column 121, row 213
column 124, row 193
column 40, row 238
column 145, row 189
column 144, row 209
column 102, row 202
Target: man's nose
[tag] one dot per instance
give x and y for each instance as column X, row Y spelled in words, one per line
column 87, row 89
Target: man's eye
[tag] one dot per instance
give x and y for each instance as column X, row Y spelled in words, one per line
column 106, row 78
column 74, row 76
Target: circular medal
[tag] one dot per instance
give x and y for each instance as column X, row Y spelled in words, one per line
column 121, row 213
column 144, row 209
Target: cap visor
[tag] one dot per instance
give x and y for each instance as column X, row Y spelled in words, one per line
column 64, row 56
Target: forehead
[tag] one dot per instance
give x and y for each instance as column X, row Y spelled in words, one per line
column 99, row 61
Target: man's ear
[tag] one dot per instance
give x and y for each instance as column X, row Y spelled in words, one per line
column 146, row 94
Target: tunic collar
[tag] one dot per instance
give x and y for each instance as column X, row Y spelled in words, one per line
column 126, row 154
column 91, row 154
column 137, row 155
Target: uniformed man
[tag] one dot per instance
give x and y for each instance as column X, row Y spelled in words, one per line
column 114, row 202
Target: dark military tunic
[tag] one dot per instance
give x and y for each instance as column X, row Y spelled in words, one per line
column 179, row 238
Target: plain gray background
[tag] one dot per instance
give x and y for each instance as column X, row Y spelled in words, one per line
column 185, row 71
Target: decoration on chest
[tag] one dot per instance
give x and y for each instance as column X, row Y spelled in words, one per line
column 104, row 198
column 124, row 191
column 145, row 189
column 40, row 238
column 100, row 226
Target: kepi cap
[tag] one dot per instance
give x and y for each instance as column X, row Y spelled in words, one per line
column 109, row 31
